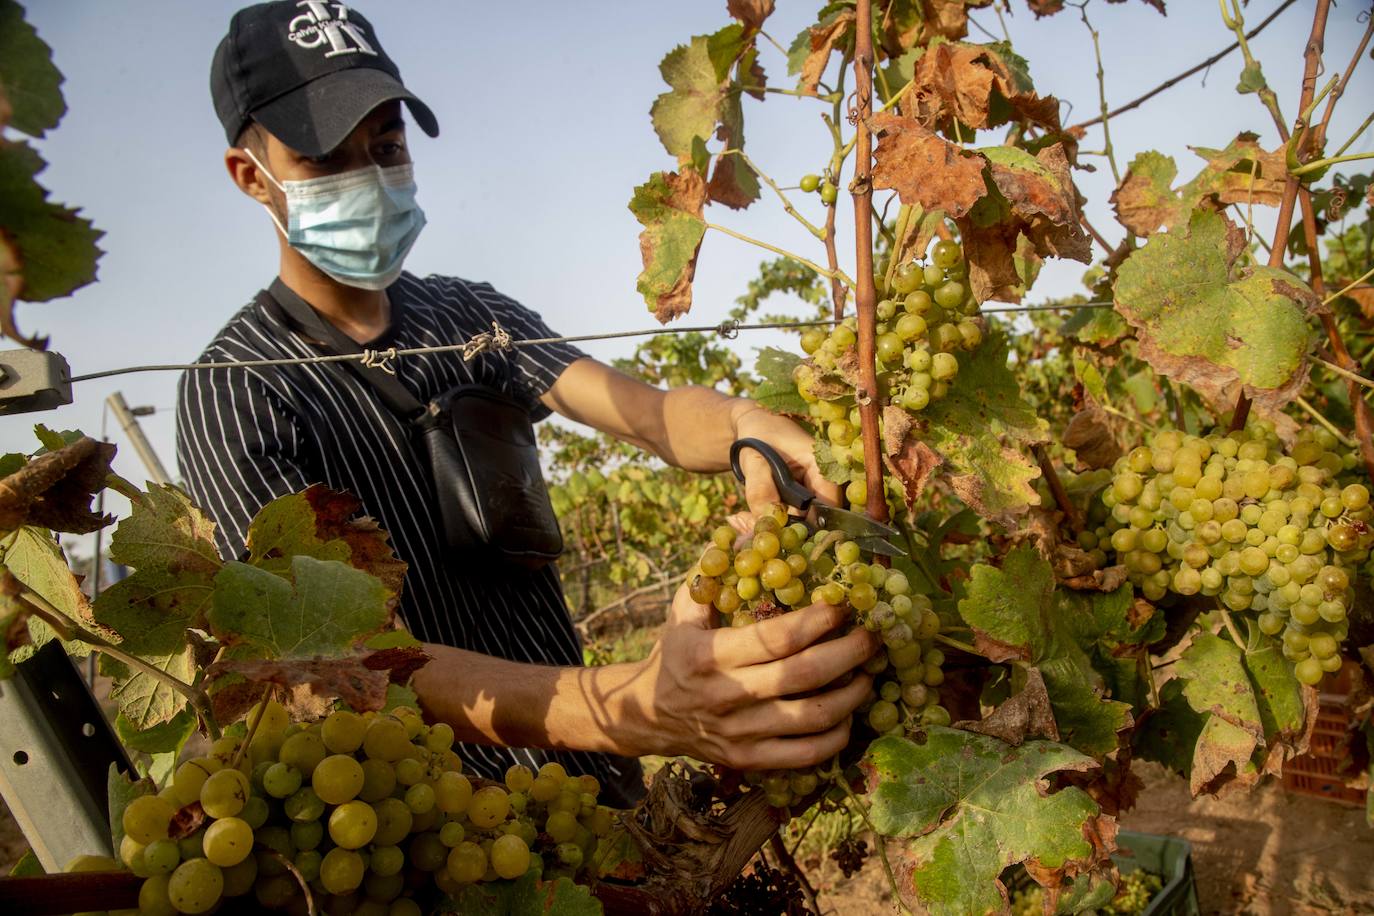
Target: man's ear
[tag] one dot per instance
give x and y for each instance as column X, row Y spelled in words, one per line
column 244, row 172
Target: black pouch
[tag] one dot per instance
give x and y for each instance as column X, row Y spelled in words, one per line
column 482, row 451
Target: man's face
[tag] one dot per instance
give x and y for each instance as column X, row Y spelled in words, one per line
column 380, row 139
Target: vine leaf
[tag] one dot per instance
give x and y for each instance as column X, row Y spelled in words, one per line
column 977, row 86
column 121, row 789
column 33, row 557
column 923, row 168
column 975, row 805
column 750, row 12
column 528, row 895
column 169, row 737
column 732, row 183
column 1017, row 613
column 311, row 685
column 1050, row 7
column 776, row 390
column 811, row 49
column 1220, row 328
column 146, row 701
column 323, row 523
column 980, row 429
column 669, row 206
column 691, row 107
column 56, row 249
column 54, row 490
column 29, row 80
column 1242, row 173
column 325, row 608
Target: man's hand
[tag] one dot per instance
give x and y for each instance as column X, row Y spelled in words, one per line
column 756, row 697
column 792, row 442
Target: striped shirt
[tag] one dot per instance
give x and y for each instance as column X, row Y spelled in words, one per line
column 246, row 436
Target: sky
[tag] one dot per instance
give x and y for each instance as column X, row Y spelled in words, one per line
column 543, row 108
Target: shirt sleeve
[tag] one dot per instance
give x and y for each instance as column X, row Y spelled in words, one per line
column 238, row 447
column 534, row 368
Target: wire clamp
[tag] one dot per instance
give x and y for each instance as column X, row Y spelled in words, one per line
column 728, row 329
column 498, row 338
column 380, row 359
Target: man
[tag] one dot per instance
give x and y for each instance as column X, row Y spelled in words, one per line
column 312, row 108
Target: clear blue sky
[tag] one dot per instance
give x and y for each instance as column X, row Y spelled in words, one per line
column 543, row 108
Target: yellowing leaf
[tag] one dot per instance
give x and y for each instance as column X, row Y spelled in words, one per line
column 923, row 168
column 669, row 207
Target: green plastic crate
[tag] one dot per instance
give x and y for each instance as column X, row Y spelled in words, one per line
column 1169, row 857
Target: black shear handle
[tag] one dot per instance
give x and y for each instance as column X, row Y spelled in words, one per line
column 793, row 493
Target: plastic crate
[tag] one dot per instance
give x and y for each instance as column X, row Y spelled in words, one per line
column 1316, row 773
column 1169, row 857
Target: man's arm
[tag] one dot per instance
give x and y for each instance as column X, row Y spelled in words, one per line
column 718, row 695
column 690, row 427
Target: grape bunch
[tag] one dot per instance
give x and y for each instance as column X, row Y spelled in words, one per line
column 925, row 318
column 1134, row 893
column 782, row 566
column 372, row 811
column 1232, row 515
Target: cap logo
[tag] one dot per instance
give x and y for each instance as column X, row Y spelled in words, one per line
column 327, row 23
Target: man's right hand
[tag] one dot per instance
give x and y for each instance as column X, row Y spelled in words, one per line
column 735, row 696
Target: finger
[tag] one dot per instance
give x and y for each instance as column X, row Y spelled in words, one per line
column 810, row 669
column 816, row 482
column 778, row 637
column 794, row 753
column 759, row 490
column 743, row 523
column 805, row 716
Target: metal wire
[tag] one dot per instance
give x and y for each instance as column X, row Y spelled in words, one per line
column 498, row 339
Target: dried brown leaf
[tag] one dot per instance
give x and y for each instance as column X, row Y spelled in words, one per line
column 1026, row 715
column 957, row 81
column 923, row 168
column 913, row 465
column 336, row 516
column 750, row 12
column 824, row 38
column 310, row 686
column 1090, row 435
column 54, row 490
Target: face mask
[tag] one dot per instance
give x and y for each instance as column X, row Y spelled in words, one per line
column 356, row 227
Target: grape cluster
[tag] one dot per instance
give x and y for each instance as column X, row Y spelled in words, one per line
column 924, row 319
column 763, row 891
column 370, row 810
column 1134, row 893
column 849, row 855
column 1233, row 515
column 782, row 566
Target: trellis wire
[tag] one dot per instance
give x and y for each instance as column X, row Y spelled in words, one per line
column 499, row 339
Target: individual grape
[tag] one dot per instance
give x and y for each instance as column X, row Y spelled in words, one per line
column 147, row 817
column 810, row 183
column 386, row 739
column 190, row 776
column 306, row 834
column 338, row 778
column 281, row 780
column 341, row 871
column 395, row 821
column 196, row 885
column 303, row 806
column 467, row 863
column 420, row 798
column 353, row 824
column 228, row 841
column 153, row 897
column 239, row 879
column 453, row 792
column 510, row 856
column 161, row 857
column 304, row 751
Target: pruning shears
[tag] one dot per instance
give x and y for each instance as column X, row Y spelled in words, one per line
column 870, row 535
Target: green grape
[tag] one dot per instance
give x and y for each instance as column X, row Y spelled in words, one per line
column 353, row 824
column 420, row 798
column 809, row 183
column 304, row 751
column 394, row 821
column 228, row 841
column 147, row 818
column 281, row 780
column 161, row 857
column 946, row 254
column 239, row 879
column 190, row 776
column 304, row 805
column 467, row 863
column 389, row 860
column 338, row 779
column 341, row 871
column 1308, row 671
column 488, row 807
column 510, row 856
column 196, row 885
column 379, row 779
column 306, row 834
column 386, row 739
column 153, row 899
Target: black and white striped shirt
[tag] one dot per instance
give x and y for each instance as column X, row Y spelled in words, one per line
column 246, row 436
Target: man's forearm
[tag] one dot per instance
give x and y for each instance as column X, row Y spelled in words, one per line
column 495, row 701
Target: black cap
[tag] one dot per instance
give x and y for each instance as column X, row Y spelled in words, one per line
column 308, row 71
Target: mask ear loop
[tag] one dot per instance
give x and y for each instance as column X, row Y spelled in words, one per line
column 280, row 187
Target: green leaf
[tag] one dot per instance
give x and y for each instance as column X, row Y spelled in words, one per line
column 1280, row 698
column 525, row 896
column 723, row 48
column 166, row 531
column 974, row 805
column 1100, row 326
column 393, row 639
column 56, row 247
column 776, row 390
column 1251, row 79
column 28, row 866
column 1171, row 732
column 701, row 156
column 981, row 429
column 830, row 469
column 29, row 80
column 1218, row 327
column 1016, row 612
column 398, row 695
column 122, row 790
column 170, row 736
column 692, row 107
column 144, row 700
column 669, row 207
column 33, row 557
column 326, row 609
column 53, row 441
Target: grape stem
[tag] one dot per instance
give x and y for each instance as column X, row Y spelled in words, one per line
column 1231, row 626
column 879, row 842
column 269, row 695
column 836, row 274
column 786, row 204
column 824, row 544
column 68, row 629
column 295, row 873
column 1329, row 426
column 1106, row 115
column 1349, row 286
column 1324, row 163
column 957, row 644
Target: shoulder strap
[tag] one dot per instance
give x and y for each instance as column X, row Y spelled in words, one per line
column 303, row 318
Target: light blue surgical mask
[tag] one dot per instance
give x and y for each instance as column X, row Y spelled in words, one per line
column 356, row 227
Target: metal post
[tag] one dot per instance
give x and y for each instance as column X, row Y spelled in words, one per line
column 140, row 442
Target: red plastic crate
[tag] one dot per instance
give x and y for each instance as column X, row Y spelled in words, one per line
column 1315, row 773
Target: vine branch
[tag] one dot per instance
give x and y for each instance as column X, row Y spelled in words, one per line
column 837, row 274
column 786, row 203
